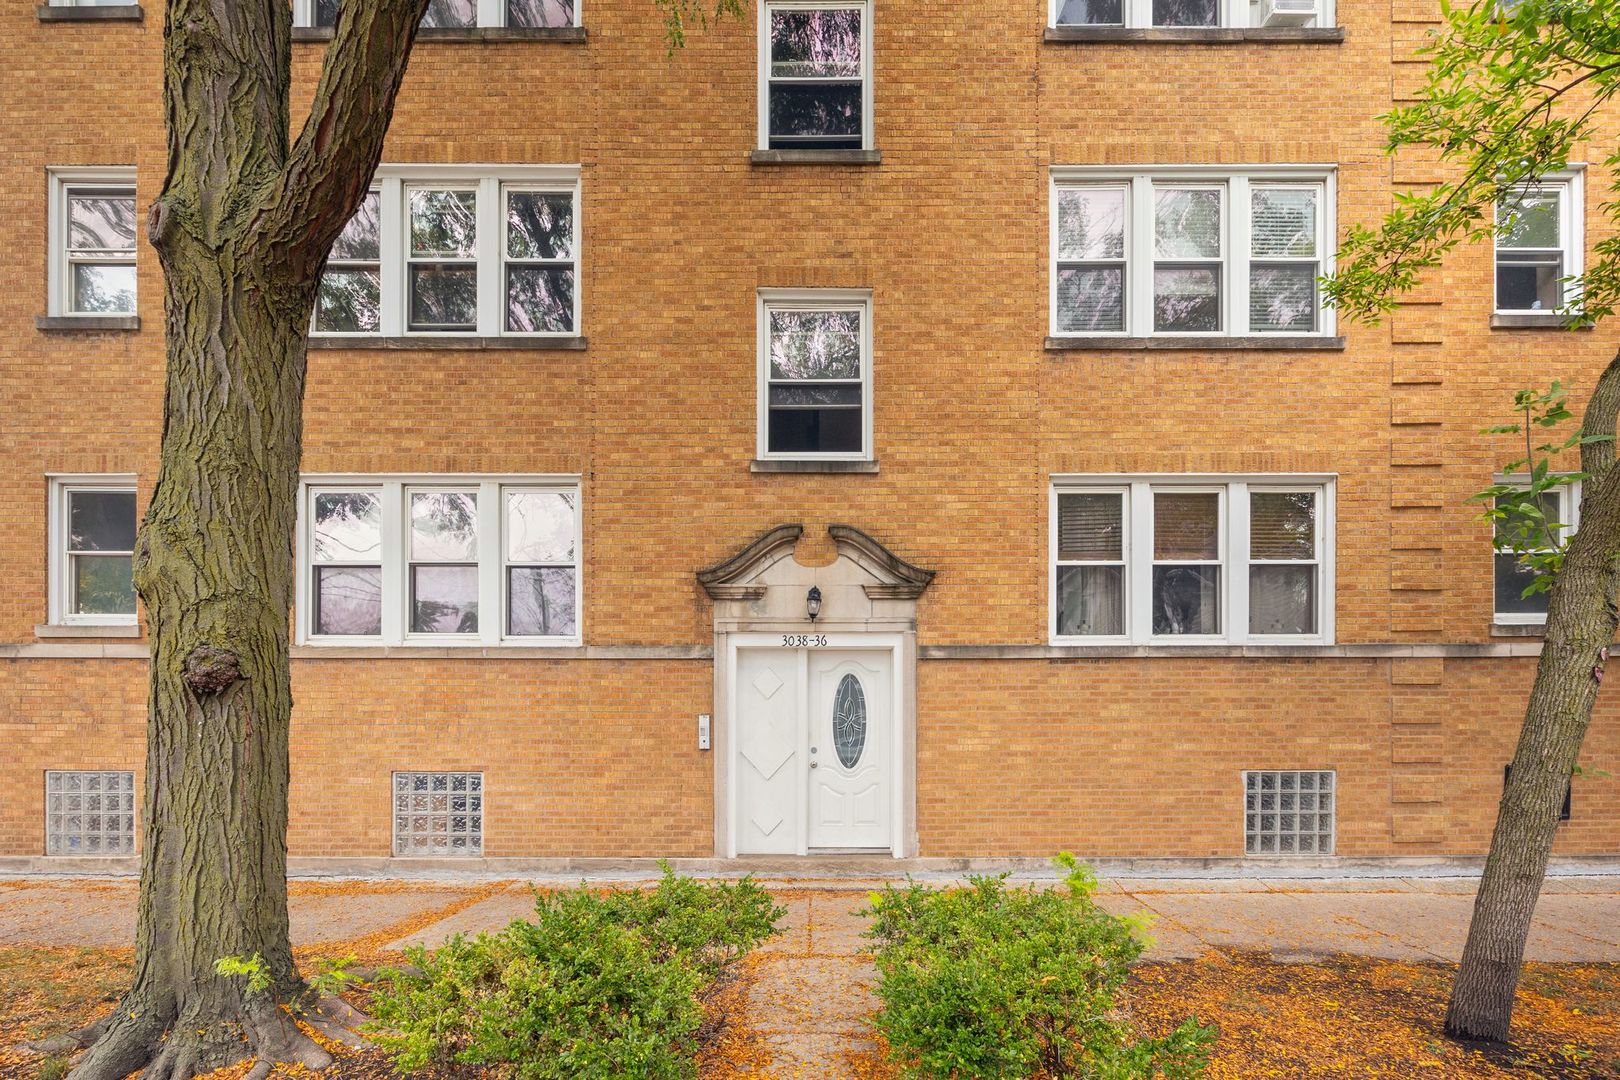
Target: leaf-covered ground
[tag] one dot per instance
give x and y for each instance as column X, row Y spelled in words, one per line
column 1343, row 1017
column 1355, row 1017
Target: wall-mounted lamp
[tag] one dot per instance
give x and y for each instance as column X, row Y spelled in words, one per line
column 812, row 602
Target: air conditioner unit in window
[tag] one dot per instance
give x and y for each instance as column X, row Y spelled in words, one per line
column 1288, row 12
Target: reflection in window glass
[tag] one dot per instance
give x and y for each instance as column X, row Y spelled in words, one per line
column 1091, row 13
column 346, row 553
column 100, row 239
column 1529, row 251
column 1186, row 12
column 539, row 261
column 814, row 394
column 100, row 552
column 350, row 297
column 815, row 78
column 444, row 562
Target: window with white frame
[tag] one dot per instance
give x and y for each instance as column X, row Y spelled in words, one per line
column 439, row 813
column 815, row 75
column 1193, row 251
column 92, row 227
column 452, row 250
column 460, row 13
column 1192, row 13
column 1538, row 246
column 815, row 374
column 92, row 525
column 439, row 560
column 1519, row 536
column 1161, row 560
column 1289, row 811
column 89, row 813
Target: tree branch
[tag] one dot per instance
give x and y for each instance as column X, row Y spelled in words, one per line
column 329, row 168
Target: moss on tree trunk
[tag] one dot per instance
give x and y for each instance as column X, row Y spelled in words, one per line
column 242, row 228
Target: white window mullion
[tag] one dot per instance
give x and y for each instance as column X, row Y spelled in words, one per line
column 1139, row 569
column 395, row 572
column 491, row 289
column 491, row 13
column 1139, row 253
column 1139, row 13
column 391, row 249
column 1238, row 230
column 1236, row 574
column 491, row 517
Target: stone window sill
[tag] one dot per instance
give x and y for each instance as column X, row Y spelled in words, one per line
column 1530, row 320
column 467, row 34
column 1278, row 342
column 790, row 465
column 109, row 13
column 815, row 157
column 430, row 344
column 86, row 323
column 64, row 630
column 1193, row 35
column 1519, row 630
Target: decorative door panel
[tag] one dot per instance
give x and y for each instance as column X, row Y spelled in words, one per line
column 770, row 740
column 850, row 737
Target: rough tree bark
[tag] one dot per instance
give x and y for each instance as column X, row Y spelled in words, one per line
column 242, row 229
column 1581, row 622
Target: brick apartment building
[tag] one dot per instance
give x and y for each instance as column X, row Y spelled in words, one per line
column 876, row 427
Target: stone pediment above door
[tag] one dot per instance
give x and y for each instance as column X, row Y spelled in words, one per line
column 865, row 584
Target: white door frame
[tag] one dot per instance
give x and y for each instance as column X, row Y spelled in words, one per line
column 902, row 793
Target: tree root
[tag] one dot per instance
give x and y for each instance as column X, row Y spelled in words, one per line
column 129, row 1039
column 73, row 1041
column 337, row 1020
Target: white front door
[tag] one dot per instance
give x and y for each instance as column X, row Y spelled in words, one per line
column 849, row 749
column 814, row 737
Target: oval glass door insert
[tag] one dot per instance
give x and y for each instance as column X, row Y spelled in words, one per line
column 849, row 721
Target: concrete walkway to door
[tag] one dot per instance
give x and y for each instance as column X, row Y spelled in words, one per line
column 810, row 990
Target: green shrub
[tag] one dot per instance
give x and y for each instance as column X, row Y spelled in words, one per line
column 991, row 981
column 601, row 984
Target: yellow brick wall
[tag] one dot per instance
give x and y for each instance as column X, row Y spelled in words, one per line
column 971, row 416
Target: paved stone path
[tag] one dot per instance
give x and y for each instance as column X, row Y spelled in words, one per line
column 811, row 988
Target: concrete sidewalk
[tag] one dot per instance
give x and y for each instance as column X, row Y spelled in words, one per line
column 1578, row 918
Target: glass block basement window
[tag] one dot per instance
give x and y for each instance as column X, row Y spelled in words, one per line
column 439, row 813
column 1288, row 813
column 89, row 813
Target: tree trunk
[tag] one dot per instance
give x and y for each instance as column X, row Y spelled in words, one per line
column 242, row 229
column 1581, row 622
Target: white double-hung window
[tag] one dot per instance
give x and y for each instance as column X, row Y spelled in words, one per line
column 438, row 560
column 1520, row 536
column 1190, row 251
column 92, row 524
column 1190, row 14
column 815, row 374
column 460, row 14
column 1539, row 246
column 1191, row 559
column 457, row 250
column 815, row 75
column 92, row 242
